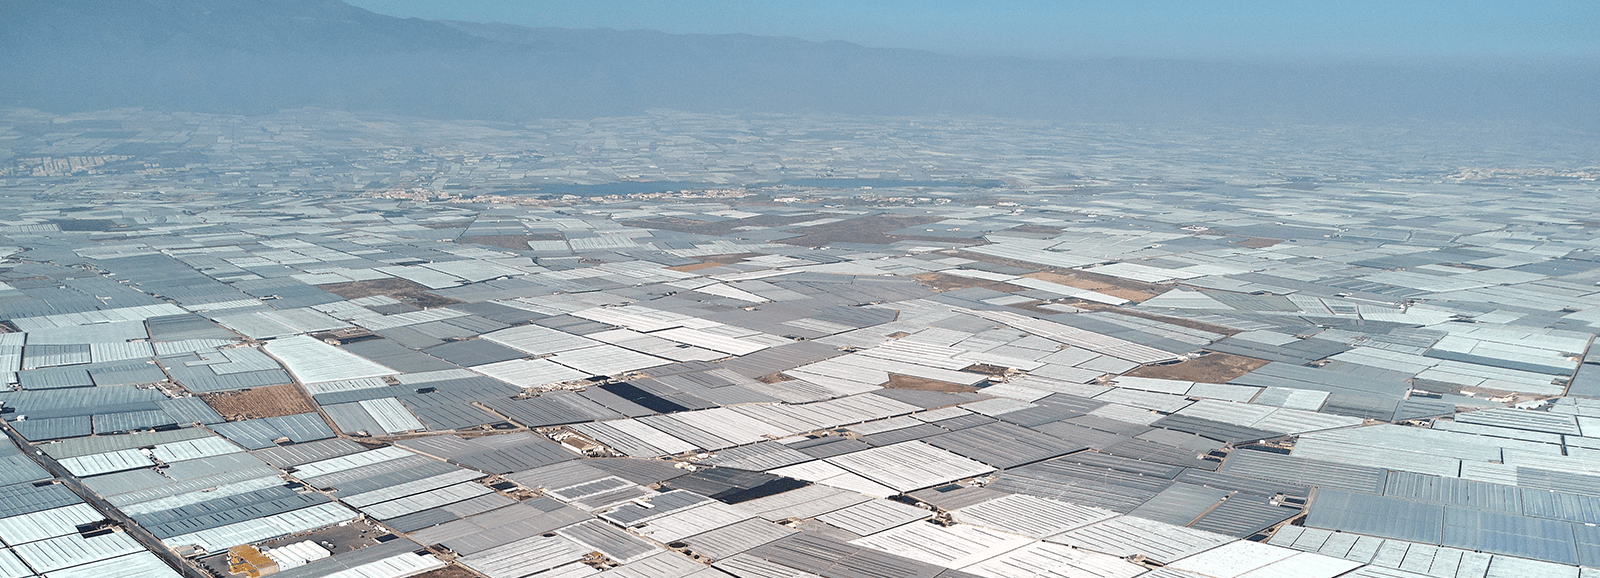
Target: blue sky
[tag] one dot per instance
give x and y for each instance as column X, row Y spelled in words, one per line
column 1195, row 29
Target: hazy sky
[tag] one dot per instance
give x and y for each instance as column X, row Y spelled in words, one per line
column 1202, row 29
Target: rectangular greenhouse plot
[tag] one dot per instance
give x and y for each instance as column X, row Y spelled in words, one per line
column 259, row 529
column 712, row 341
column 910, row 466
column 953, row 546
column 606, row 360
column 430, row 499
column 530, row 372
column 46, row 524
column 312, row 361
column 525, row 557
column 1044, row 558
column 73, row 550
column 869, row 518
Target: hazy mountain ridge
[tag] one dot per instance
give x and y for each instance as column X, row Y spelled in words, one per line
column 249, row 57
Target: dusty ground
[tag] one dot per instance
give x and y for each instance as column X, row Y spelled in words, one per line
column 897, row 381
column 449, row 572
column 395, row 287
column 714, row 261
column 1212, row 367
column 259, row 402
column 867, row 229
column 986, row 369
column 1038, row 306
column 1131, row 290
column 1125, row 288
column 942, row 282
column 1257, row 242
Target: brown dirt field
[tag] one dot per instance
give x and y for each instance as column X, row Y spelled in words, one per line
column 395, row 287
column 942, row 282
column 1257, row 242
column 259, row 402
column 1212, row 367
column 718, row 227
column 714, row 261
column 369, row 444
column 1124, row 288
column 986, row 369
column 869, row 229
column 1130, row 290
column 1037, row 307
column 897, row 381
column 449, row 572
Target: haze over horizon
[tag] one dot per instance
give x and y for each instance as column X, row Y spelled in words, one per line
column 1164, row 29
column 1482, row 63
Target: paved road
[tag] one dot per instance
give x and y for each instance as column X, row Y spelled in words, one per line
column 134, row 530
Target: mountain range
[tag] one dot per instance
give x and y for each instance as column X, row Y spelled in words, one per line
column 248, row 56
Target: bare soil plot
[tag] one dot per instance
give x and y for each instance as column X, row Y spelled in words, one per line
column 897, row 381
column 259, row 402
column 449, row 572
column 774, row 378
column 987, row 369
column 942, row 282
column 408, row 291
column 1212, row 367
column 1038, row 306
column 714, row 261
column 1257, row 242
column 1131, row 290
